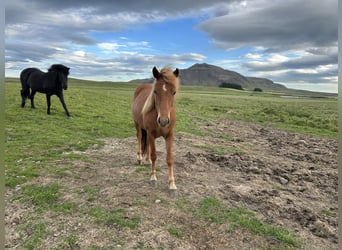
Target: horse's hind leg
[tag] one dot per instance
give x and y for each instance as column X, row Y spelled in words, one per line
column 148, row 154
column 33, row 92
column 139, row 137
column 23, row 98
column 143, row 145
column 24, row 92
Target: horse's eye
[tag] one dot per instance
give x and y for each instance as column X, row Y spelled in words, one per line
column 155, row 92
column 174, row 93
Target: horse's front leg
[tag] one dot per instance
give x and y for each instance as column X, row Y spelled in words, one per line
column 151, row 150
column 61, row 98
column 169, row 160
column 48, row 103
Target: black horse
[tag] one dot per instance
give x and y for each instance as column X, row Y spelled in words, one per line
column 51, row 83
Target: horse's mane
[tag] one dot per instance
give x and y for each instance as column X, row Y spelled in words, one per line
column 169, row 77
column 59, row 68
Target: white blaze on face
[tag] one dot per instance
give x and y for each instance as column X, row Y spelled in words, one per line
column 164, row 87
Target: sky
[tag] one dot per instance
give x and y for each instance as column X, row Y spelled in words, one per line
column 291, row 42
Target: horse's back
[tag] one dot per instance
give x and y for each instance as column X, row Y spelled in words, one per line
column 26, row 73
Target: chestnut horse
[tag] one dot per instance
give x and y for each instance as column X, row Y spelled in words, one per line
column 154, row 116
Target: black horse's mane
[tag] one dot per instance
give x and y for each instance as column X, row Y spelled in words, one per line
column 59, row 68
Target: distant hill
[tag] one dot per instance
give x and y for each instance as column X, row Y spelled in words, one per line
column 210, row 75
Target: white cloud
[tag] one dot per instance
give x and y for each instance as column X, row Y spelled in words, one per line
column 306, row 71
column 252, row 56
column 109, row 46
column 79, row 53
column 277, row 58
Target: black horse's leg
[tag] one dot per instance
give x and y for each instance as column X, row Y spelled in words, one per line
column 25, row 93
column 61, row 98
column 23, row 98
column 33, row 92
column 48, row 102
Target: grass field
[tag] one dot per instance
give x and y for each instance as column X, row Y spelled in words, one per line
column 102, row 110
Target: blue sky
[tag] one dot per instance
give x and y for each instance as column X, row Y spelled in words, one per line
column 291, row 42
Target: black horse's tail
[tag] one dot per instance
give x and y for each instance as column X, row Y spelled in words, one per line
column 25, row 93
column 143, row 141
column 25, row 87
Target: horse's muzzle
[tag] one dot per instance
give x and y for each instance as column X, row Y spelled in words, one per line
column 163, row 123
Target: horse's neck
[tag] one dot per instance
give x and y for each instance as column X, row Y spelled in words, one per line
column 149, row 103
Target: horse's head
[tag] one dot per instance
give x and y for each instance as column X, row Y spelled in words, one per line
column 165, row 87
column 63, row 79
column 62, row 74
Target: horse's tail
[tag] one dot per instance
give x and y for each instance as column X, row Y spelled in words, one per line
column 25, row 87
column 143, row 141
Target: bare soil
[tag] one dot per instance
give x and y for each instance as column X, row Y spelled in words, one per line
column 288, row 179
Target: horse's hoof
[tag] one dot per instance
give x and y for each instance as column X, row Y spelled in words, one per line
column 153, row 183
column 69, row 117
column 173, row 192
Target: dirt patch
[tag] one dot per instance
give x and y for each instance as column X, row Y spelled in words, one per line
column 288, row 179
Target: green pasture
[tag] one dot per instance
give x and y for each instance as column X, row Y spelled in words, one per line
column 35, row 140
column 316, row 116
column 102, row 109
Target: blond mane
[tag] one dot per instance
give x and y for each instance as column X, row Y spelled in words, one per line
column 149, row 103
column 169, row 77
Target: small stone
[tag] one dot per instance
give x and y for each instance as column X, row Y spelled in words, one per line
column 283, row 180
column 157, row 201
column 301, row 142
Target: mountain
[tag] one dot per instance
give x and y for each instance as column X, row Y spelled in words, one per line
column 203, row 74
column 211, row 75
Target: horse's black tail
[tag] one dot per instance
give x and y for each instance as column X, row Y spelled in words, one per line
column 143, row 141
column 25, row 93
column 25, row 88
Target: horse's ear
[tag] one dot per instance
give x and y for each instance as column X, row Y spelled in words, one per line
column 155, row 72
column 176, row 72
